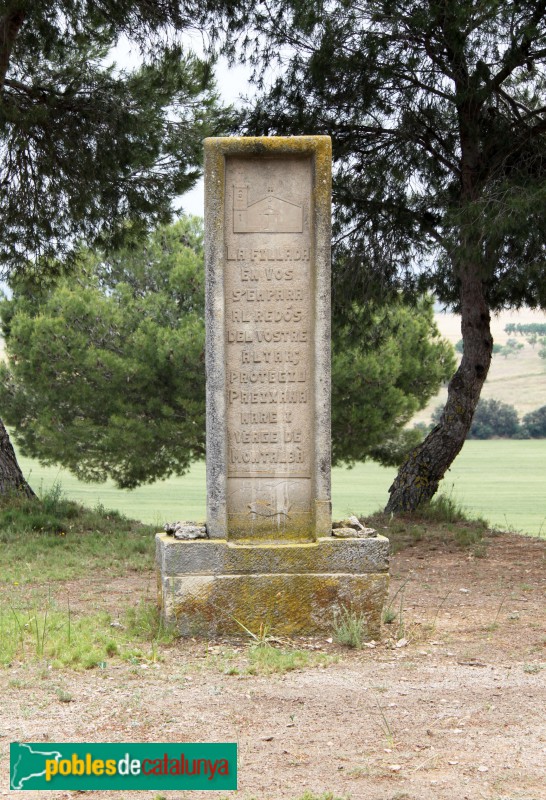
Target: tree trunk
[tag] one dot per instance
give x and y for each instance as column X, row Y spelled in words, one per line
column 11, row 477
column 10, row 24
column 419, row 476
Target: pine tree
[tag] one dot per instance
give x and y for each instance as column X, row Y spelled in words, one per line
column 89, row 152
column 106, row 372
column 437, row 111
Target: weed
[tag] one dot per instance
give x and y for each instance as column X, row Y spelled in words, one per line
column 443, row 600
column 350, row 627
column 386, row 728
column 401, row 624
column 64, row 696
column 268, row 660
column 494, row 625
column 532, row 669
column 359, row 772
column 443, row 508
column 389, row 615
column 471, row 537
column 479, row 550
column 145, row 622
column 33, row 627
column 441, row 522
column 262, row 638
column 416, row 533
column 325, row 796
column 30, row 632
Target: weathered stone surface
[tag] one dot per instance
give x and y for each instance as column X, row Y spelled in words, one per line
column 326, row 555
column 185, row 530
column 270, row 557
column 354, row 533
column 267, row 212
column 290, row 605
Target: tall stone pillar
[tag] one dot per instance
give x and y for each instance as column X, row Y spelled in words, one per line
column 267, row 224
column 269, row 556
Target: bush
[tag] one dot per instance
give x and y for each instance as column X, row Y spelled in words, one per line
column 533, row 424
column 491, row 418
column 511, row 348
column 494, row 418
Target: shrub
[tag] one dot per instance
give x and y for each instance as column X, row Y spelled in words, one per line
column 533, row 424
column 491, row 418
column 494, row 418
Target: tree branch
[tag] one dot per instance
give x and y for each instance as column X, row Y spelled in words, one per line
column 518, row 52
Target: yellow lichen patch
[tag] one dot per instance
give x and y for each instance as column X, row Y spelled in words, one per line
column 288, row 605
column 245, row 529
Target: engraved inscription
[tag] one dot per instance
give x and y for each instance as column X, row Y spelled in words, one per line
column 269, row 214
column 268, row 290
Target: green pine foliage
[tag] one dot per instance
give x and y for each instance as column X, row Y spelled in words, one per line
column 88, row 150
column 436, row 112
column 437, row 116
column 106, row 370
column 387, row 362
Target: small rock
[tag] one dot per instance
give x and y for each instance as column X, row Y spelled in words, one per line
column 351, row 528
column 354, row 533
column 185, row 530
column 395, row 767
column 402, row 643
column 464, row 591
column 483, row 769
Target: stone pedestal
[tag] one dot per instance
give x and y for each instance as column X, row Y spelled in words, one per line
column 211, row 587
column 270, row 557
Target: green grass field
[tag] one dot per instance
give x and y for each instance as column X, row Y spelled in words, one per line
column 500, row 480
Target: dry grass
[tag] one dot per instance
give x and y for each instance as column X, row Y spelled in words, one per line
column 518, row 380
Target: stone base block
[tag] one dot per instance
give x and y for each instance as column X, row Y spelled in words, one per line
column 220, row 557
column 210, row 588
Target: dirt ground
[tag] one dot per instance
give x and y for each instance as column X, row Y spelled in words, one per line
column 451, row 706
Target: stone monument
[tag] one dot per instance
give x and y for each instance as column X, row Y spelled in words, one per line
column 267, row 554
